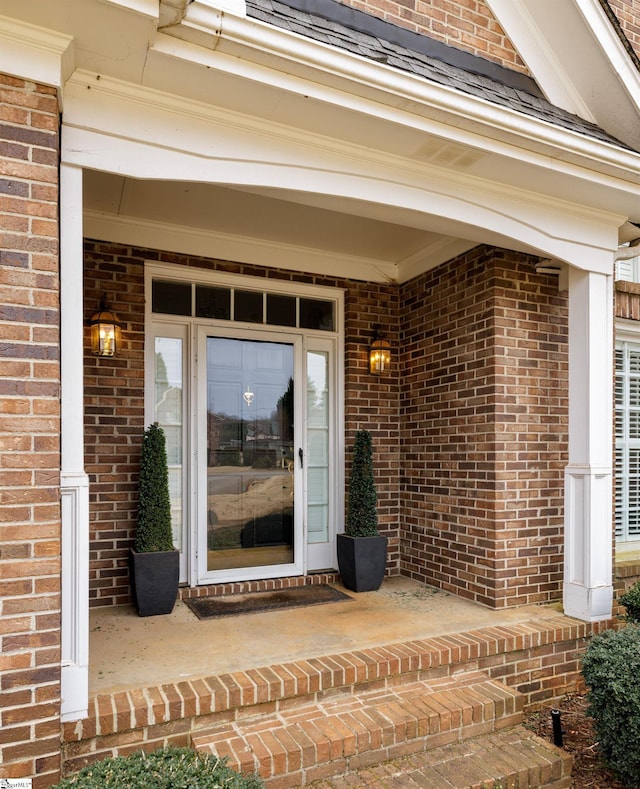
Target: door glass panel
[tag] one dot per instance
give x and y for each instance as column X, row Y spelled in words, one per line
column 317, row 447
column 250, row 434
column 168, row 411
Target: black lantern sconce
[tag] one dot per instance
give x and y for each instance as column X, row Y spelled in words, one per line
column 106, row 337
column 379, row 354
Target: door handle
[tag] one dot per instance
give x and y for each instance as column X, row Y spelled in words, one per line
column 301, row 456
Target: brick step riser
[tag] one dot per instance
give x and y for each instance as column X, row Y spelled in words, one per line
column 507, row 759
column 538, row 658
column 347, row 732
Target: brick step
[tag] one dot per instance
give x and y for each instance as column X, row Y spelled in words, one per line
column 507, row 759
column 338, row 733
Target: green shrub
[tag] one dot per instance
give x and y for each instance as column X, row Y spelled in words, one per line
column 153, row 525
column 362, row 515
column 169, row 768
column 631, row 601
column 611, row 667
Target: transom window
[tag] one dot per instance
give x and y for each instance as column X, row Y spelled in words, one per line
column 240, row 305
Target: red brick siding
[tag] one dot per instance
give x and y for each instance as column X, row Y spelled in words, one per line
column 29, row 433
column 465, row 24
column 627, row 300
column 628, row 13
column 114, row 401
column 372, row 402
column 484, row 426
column 626, row 574
column 478, row 485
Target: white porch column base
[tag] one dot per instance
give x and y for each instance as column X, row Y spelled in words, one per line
column 588, row 538
column 588, row 588
column 75, row 595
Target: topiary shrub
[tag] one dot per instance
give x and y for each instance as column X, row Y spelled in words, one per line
column 362, row 515
column 168, row 768
column 611, row 667
column 153, row 525
column 631, row 601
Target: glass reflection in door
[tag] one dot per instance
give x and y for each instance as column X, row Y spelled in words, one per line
column 250, row 453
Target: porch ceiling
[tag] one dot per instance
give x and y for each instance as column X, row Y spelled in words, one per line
column 370, row 247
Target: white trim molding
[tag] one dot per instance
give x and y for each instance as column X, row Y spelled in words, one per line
column 577, row 58
column 34, row 53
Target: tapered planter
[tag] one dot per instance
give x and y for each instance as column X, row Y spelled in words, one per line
column 362, row 561
column 156, row 576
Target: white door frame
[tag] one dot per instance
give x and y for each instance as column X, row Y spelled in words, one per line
column 310, row 340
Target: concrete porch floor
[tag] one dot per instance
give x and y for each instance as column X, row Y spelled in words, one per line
column 127, row 651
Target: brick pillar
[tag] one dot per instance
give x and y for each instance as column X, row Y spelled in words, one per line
column 29, row 433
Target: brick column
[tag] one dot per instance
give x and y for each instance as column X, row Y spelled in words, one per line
column 29, row 433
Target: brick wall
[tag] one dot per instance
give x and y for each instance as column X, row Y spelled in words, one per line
column 477, row 400
column 628, row 14
column 484, row 422
column 627, row 300
column 29, row 433
column 114, row 401
column 465, row 24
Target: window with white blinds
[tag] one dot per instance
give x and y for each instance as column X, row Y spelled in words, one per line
column 627, row 469
column 628, row 270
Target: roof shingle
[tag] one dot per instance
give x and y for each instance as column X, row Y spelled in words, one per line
column 361, row 34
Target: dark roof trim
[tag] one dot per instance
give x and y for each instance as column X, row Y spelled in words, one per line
column 353, row 19
column 615, row 22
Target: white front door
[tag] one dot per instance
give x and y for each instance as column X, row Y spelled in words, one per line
column 250, row 456
column 253, row 418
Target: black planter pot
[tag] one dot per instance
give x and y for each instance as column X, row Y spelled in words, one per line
column 362, row 561
column 156, row 577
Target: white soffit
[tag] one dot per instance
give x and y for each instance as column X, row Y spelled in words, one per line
column 578, row 60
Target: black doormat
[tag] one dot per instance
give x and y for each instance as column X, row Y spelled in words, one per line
column 252, row 602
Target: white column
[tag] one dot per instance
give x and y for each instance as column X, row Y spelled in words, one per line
column 588, row 542
column 74, row 481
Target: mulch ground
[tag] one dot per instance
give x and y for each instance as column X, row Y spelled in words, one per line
column 589, row 771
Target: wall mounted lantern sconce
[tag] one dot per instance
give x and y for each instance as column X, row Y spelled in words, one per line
column 106, row 337
column 379, row 355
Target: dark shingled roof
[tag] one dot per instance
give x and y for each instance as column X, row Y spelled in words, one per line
column 346, row 28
